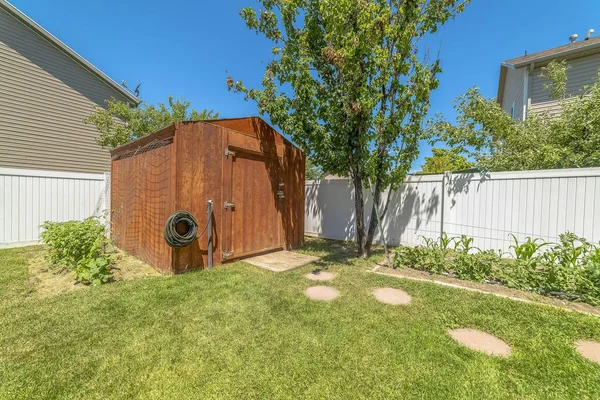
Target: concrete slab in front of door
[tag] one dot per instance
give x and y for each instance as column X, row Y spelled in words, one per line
column 281, row 261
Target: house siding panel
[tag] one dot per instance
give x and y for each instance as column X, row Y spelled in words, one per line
column 583, row 71
column 513, row 92
column 44, row 97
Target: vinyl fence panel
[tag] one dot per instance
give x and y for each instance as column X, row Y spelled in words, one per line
column 488, row 207
column 28, row 198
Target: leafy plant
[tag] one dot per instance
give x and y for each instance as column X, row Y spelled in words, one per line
column 78, row 246
column 420, row 258
column 465, row 244
column 570, row 268
column 499, row 142
column 476, row 267
column 141, row 120
column 446, row 241
column 526, row 251
column 430, row 243
column 94, row 271
column 73, row 241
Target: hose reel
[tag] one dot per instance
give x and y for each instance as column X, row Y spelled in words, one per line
column 173, row 237
column 188, row 232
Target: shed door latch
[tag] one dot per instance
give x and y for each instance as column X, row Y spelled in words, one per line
column 229, row 153
column 227, row 254
column 228, row 204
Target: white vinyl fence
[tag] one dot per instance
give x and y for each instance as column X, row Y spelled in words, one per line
column 30, row 197
column 487, row 207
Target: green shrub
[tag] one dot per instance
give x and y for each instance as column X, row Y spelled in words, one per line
column 78, row 246
column 569, row 268
column 94, row 271
column 477, row 267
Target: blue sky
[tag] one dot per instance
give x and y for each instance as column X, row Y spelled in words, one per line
column 184, row 47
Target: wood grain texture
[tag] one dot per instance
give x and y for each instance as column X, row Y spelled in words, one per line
column 148, row 185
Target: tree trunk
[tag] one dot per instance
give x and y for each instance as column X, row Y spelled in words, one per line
column 373, row 222
column 359, row 212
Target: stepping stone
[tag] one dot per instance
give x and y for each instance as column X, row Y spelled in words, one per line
column 325, row 293
column 589, row 350
column 392, row 296
column 481, row 341
column 320, row 276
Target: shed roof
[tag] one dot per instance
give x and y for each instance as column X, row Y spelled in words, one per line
column 19, row 15
column 241, row 124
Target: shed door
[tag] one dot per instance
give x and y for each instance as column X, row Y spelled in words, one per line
column 255, row 217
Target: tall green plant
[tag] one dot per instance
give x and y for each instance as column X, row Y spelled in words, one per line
column 78, row 246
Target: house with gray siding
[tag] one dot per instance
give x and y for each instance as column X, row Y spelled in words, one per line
column 51, row 168
column 521, row 86
column 46, row 90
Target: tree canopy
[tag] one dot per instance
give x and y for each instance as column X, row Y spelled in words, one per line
column 444, row 160
column 542, row 141
column 119, row 123
column 313, row 171
column 348, row 83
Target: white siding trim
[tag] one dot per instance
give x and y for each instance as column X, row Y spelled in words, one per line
column 51, row 174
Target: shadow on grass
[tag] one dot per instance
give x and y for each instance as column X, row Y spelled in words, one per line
column 332, row 252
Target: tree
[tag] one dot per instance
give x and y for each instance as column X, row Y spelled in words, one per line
column 348, row 84
column 120, row 123
column 542, row 141
column 314, row 172
column 444, row 160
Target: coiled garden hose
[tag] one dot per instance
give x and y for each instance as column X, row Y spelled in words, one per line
column 174, row 238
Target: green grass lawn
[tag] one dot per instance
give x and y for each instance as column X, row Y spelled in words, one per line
column 242, row 332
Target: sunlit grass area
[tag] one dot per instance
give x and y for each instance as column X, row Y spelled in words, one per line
column 242, row 332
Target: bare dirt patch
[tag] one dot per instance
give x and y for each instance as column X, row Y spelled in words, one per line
column 481, row 341
column 46, row 281
column 492, row 289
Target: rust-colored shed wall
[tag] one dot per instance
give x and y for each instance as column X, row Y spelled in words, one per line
column 192, row 168
column 142, row 197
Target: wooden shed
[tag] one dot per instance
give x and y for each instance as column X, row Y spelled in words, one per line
column 253, row 175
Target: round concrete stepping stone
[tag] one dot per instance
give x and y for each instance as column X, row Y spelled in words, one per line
column 320, row 276
column 481, row 341
column 589, row 350
column 392, row 296
column 325, row 293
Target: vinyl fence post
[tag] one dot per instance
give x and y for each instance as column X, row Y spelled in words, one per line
column 446, row 179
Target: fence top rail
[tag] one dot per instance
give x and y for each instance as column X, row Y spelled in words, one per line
column 409, row 179
column 483, row 176
column 50, row 174
column 541, row 174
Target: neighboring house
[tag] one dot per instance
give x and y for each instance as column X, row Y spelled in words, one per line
column 51, row 168
column 521, row 88
column 46, row 90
